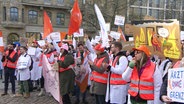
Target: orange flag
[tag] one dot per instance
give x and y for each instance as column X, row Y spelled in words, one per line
column 122, row 36
column 75, row 19
column 1, row 42
column 47, row 29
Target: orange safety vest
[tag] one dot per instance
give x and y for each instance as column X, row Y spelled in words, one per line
column 143, row 85
column 8, row 63
column 96, row 76
column 63, row 69
column 116, row 79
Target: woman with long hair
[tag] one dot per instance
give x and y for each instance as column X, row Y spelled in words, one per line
column 144, row 77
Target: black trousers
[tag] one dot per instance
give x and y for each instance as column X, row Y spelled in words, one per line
column 66, row 99
column 42, row 81
column 9, row 73
column 100, row 99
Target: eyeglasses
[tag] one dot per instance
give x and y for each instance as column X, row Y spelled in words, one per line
column 137, row 52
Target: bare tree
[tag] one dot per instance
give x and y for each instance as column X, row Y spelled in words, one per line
column 109, row 9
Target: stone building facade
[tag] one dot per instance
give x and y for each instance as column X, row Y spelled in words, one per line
column 24, row 18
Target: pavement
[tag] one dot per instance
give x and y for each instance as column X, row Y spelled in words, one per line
column 34, row 99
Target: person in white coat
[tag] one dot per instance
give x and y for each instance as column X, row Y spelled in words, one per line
column 145, row 78
column 36, row 71
column 23, row 74
column 116, row 87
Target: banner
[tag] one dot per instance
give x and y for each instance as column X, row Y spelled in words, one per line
column 162, row 36
column 103, row 30
column 175, row 88
column 51, row 79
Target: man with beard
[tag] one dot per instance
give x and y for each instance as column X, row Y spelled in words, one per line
column 9, row 62
column 99, row 75
column 117, row 87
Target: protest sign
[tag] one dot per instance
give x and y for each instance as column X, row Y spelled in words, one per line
column 41, row 42
column 115, row 35
column 119, row 20
column 31, row 51
column 80, row 34
column 108, row 26
column 162, row 36
column 175, row 88
column 128, row 45
column 182, row 35
column 55, row 36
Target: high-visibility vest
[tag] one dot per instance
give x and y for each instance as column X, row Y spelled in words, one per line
column 63, row 69
column 143, row 85
column 99, row 77
column 8, row 63
column 116, row 79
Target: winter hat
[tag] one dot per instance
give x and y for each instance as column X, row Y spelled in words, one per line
column 99, row 48
column 144, row 49
column 64, row 46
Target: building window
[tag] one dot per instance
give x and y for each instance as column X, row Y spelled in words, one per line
column 46, row 1
column 4, row 13
column 157, row 14
column 60, row 1
column 13, row 14
column 60, row 20
column 157, row 2
column 150, row 12
column 71, row 1
column 150, row 3
column 33, row 17
column 13, row 37
column 22, row 15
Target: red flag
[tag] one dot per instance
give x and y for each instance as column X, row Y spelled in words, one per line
column 75, row 19
column 122, row 36
column 47, row 29
column 1, row 42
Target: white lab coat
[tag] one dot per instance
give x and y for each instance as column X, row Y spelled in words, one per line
column 117, row 93
column 157, row 83
column 36, row 72
column 22, row 67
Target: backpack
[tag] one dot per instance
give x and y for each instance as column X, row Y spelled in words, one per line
column 31, row 66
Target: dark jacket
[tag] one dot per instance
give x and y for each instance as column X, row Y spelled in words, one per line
column 163, row 90
column 66, row 78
